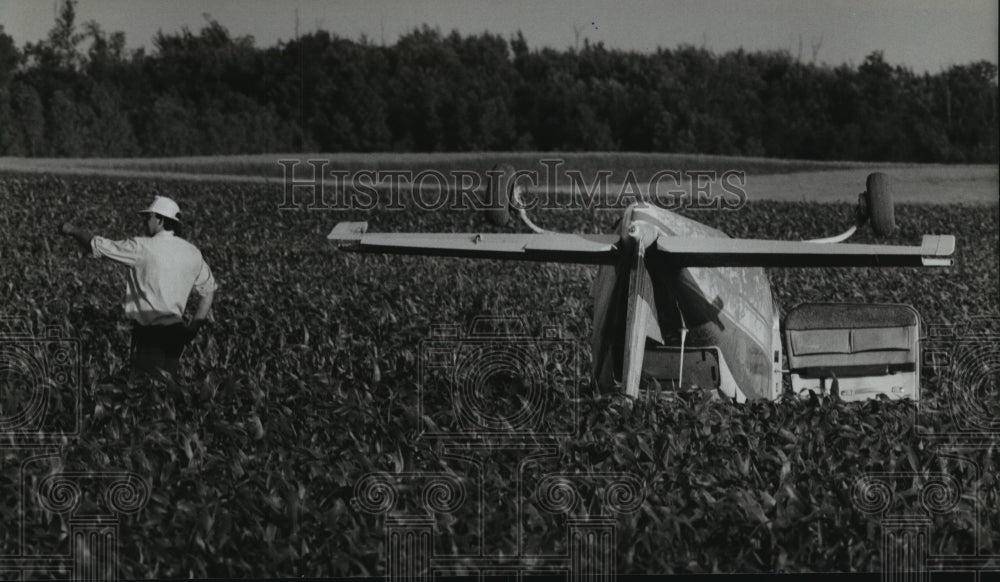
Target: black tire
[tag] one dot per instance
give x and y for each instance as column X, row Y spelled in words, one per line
column 501, row 184
column 878, row 199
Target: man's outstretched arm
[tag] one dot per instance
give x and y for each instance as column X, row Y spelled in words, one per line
column 127, row 251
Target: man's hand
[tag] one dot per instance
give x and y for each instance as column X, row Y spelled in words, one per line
column 82, row 236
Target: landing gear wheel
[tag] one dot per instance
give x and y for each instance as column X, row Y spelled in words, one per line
column 501, row 183
column 878, row 204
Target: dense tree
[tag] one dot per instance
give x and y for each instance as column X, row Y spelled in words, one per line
column 80, row 92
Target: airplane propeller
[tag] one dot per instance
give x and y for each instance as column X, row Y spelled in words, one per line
column 640, row 301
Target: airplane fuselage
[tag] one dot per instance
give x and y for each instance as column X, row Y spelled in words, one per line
column 728, row 308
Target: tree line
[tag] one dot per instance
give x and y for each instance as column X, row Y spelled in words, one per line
column 79, row 92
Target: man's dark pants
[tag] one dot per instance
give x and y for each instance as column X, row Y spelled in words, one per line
column 158, row 347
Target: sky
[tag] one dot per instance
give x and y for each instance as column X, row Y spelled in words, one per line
column 924, row 35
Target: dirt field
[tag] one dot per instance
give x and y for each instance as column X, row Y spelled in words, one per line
column 771, row 180
column 921, row 184
column 929, row 184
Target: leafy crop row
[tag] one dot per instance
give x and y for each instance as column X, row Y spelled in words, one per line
column 307, row 381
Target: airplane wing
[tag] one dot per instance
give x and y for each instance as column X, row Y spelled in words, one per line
column 593, row 249
column 934, row 250
column 604, row 249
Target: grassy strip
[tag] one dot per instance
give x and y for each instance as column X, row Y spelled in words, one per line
column 643, row 165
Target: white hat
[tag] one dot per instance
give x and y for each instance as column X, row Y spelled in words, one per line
column 164, row 207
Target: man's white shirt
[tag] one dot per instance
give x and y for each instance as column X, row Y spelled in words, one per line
column 163, row 270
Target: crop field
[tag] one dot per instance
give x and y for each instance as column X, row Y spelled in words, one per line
column 300, row 423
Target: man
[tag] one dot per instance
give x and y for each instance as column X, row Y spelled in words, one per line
column 163, row 270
